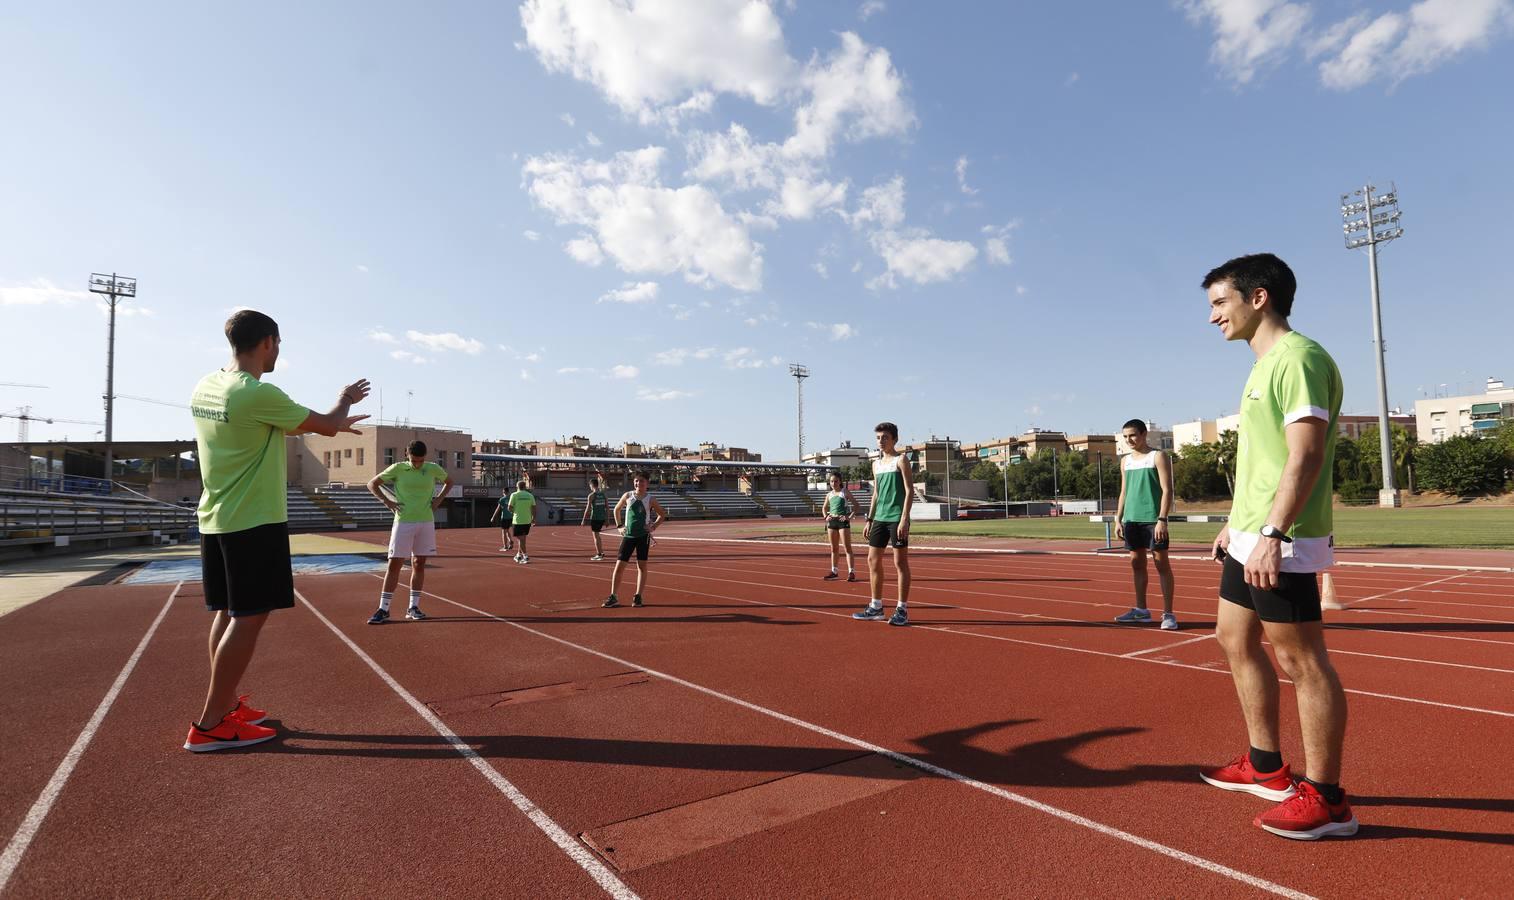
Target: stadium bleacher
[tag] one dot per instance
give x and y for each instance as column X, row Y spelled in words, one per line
column 32, row 521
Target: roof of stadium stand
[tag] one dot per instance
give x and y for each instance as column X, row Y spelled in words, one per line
column 633, row 463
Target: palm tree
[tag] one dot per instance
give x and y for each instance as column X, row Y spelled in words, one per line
column 1225, row 450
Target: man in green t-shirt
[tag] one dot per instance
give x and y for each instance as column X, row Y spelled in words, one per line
column 502, row 513
column 408, row 489
column 637, row 515
column 1277, row 541
column 522, row 506
column 240, row 422
column 888, row 525
column 1141, row 520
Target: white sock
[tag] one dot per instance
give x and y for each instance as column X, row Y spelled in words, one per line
column 384, row 599
column 875, row 603
column 833, row 570
column 902, row 605
column 415, row 597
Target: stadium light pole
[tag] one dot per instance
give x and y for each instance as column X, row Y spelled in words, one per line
column 1369, row 221
column 800, row 373
column 114, row 287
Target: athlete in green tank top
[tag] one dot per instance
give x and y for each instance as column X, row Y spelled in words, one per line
column 839, row 509
column 888, row 524
column 642, row 516
column 596, row 511
column 1141, row 520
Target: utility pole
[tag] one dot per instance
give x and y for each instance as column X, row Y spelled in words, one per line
column 1099, row 454
column 800, row 373
column 1364, row 218
column 114, row 287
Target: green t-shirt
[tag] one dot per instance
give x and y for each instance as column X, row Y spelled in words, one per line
column 1295, row 380
column 520, row 507
column 414, row 489
column 239, row 430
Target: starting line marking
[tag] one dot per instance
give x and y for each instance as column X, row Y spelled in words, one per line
column 1057, row 812
column 564, row 841
column 35, row 816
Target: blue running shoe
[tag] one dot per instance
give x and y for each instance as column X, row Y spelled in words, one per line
column 379, row 617
column 869, row 613
column 1135, row 616
column 900, row 616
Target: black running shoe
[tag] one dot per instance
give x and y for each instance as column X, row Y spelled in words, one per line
column 610, row 603
column 869, row 613
column 831, row 577
column 379, row 617
column 415, row 613
column 636, row 601
column 851, row 576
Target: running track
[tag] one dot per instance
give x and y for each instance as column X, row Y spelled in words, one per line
column 741, row 736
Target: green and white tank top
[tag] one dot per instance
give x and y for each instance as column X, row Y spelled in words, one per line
column 1143, row 488
column 835, row 505
column 888, row 489
column 597, row 506
column 638, row 514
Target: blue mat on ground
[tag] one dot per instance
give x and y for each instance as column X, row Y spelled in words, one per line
column 169, row 571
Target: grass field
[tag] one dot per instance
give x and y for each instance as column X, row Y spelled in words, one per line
column 1485, row 527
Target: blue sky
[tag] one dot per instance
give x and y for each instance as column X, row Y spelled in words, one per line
column 625, row 219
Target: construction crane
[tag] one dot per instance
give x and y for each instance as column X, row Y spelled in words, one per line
column 18, row 384
column 24, row 417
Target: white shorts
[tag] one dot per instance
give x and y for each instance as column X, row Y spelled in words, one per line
column 412, row 539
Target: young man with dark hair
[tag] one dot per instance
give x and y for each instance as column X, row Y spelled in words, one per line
column 414, row 500
column 240, row 423
column 888, row 524
column 1141, row 520
column 502, row 513
column 1277, row 541
column 637, row 515
column 522, row 514
column 596, row 512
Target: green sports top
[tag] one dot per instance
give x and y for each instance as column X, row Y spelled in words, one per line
column 638, row 514
column 414, row 489
column 888, row 489
column 835, row 505
column 598, row 507
column 1295, row 380
column 520, row 507
column 1143, row 488
column 240, row 424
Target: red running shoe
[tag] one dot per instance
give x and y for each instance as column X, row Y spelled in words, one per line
column 1239, row 776
column 247, row 713
column 1307, row 816
column 231, row 732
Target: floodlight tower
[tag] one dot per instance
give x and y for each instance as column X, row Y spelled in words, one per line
column 800, row 373
column 1373, row 220
column 114, row 287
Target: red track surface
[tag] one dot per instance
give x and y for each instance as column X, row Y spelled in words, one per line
column 1059, row 751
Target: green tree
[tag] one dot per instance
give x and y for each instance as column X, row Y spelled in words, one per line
column 1226, row 449
column 1196, row 473
column 1370, row 465
column 992, row 473
column 1463, row 465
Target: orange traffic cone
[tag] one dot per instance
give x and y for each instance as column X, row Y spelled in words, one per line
column 1327, row 594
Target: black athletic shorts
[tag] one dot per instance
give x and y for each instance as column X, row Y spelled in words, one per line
column 837, row 524
column 641, row 545
column 247, row 572
column 1295, row 600
column 883, row 534
column 521, row 530
column 596, row 525
column 1142, row 536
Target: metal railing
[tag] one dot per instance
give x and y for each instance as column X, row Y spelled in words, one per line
column 18, row 479
column 30, row 519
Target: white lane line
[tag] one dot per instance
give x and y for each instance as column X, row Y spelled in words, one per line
column 1403, row 590
column 1202, row 637
column 35, row 816
column 564, row 841
column 1067, row 648
column 1074, row 818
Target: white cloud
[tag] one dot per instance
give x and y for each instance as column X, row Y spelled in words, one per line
column 746, row 358
column 530, row 235
column 1072, row 79
column 882, row 205
column 916, row 255
column 39, row 292
column 632, row 292
column 1249, row 34
column 128, row 311
column 592, row 139
column 854, row 93
column 585, row 249
column 869, row 8
column 655, row 395
column 962, row 177
column 575, row 370
column 820, row 269
column 362, row 268
column 801, row 198
column 381, row 336
column 567, row 119
column 677, row 355
column 644, row 226
column 750, row 322
column 839, row 331
column 680, row 312
column 996, row 243
column 525, row 375
column 406, row 356
column 1021, row 289
column 445, row 340
column 648, row 56
column 1395, row 46
column 531, row 357
column 624, row 371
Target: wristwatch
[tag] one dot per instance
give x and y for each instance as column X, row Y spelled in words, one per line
column 1161, row 518
column 1269, row 531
